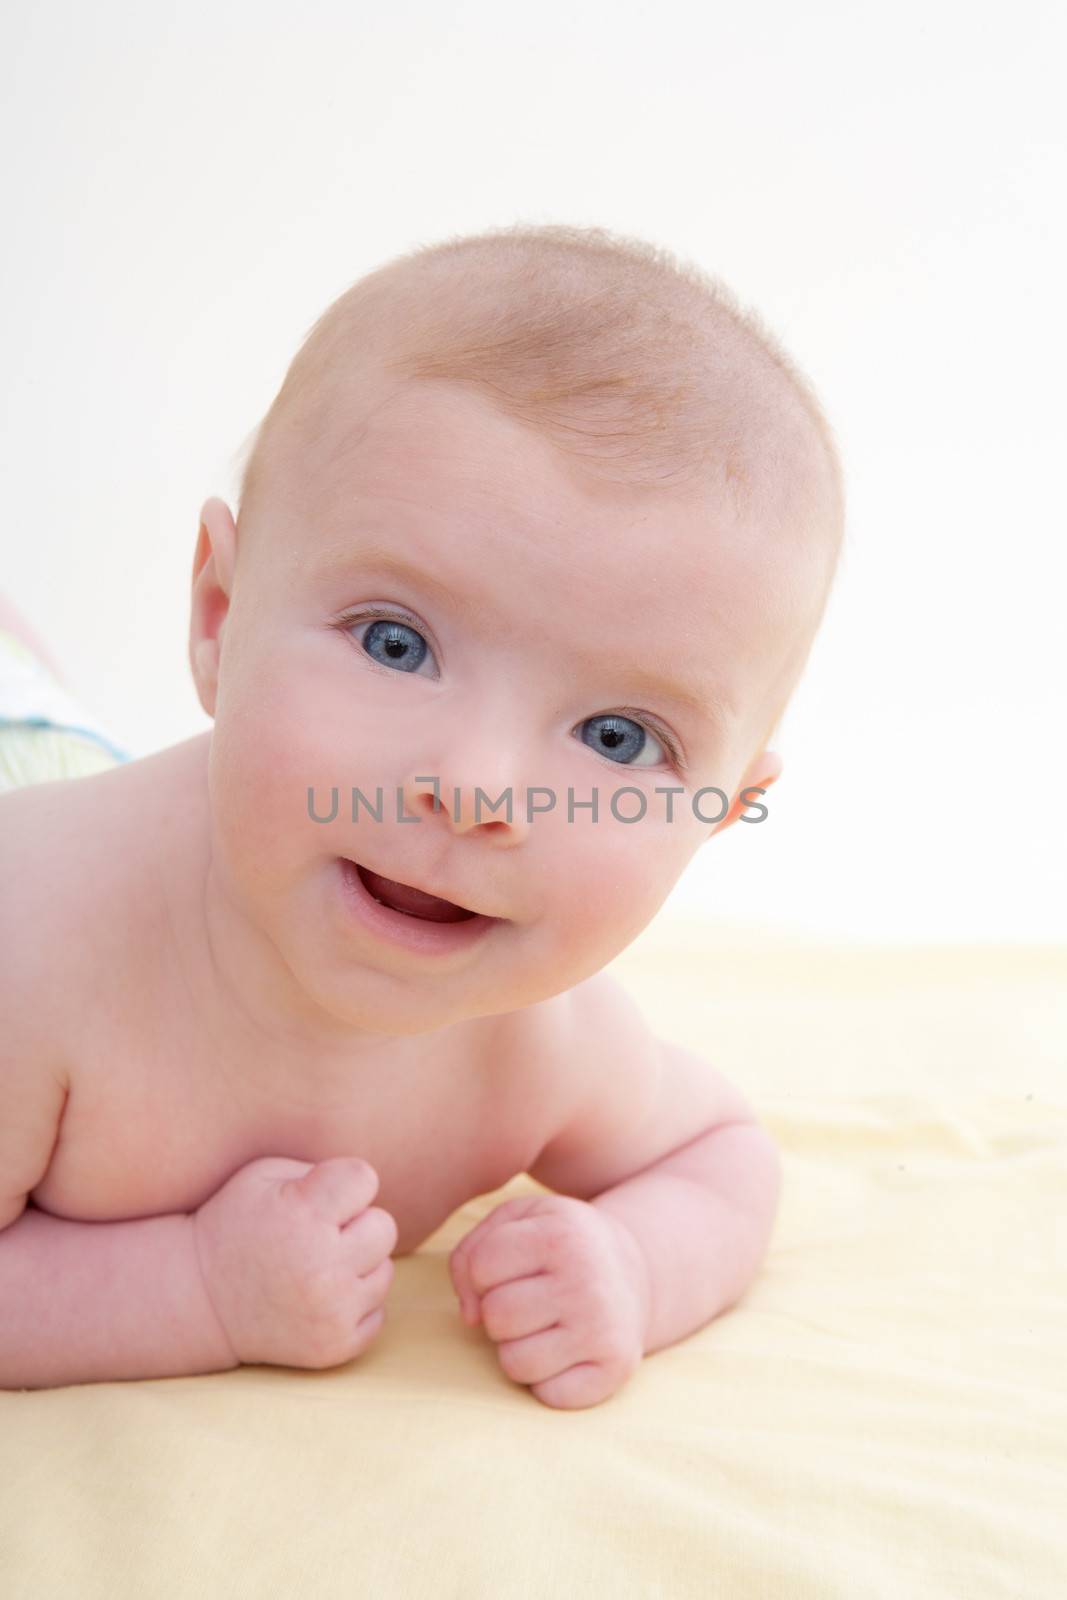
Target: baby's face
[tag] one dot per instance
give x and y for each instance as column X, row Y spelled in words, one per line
column 544, row 634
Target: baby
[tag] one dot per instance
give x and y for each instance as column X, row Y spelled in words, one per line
column 531, row 551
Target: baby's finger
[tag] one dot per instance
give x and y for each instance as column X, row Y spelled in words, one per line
column 371, row 1238
column 517, row 1309
column 338, row 1189
column 514, row 1250
column 378, row 1283
column 458, row 1260
column 507, row 1211
column 461, row 1283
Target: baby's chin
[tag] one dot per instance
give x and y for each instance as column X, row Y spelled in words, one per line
column 356, row 981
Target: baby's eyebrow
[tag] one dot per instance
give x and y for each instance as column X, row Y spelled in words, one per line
column 376, row 558
column 703, row 704
column 380, row 559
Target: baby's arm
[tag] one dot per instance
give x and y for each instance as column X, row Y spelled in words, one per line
column 667, row 1146
column 287, row 1263
column 90, row 1302
column 79, row 1301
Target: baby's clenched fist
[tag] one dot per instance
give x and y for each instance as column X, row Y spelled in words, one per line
column 296, row 1261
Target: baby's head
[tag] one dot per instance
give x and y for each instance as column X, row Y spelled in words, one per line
column 537, row 513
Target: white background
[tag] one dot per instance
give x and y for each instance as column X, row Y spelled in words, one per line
column 184, row 191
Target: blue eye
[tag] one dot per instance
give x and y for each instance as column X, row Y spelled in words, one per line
column 395, row 644
column 621, row 740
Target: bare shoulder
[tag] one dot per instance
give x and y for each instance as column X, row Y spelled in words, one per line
column 45, row 930
column 554, row 1062
column 31, row 852
column 527, row 1086
column 636, row 1097
column 68, row 937
column 68, row 864
column 570, row 1020
column 614, row 1055
column 34, row 1083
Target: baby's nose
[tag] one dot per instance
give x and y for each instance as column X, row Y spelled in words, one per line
column 472, row 767
column 499, row 810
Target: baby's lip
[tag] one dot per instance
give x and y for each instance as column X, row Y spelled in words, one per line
column 423, row 889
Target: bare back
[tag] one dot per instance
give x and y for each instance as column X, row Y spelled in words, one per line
column 163, row 1104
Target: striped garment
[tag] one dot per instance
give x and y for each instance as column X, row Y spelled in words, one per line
column 45, row 733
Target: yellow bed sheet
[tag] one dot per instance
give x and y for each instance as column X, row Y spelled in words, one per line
column 884, row 1415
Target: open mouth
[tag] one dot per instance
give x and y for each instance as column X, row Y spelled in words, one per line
column 411, row 902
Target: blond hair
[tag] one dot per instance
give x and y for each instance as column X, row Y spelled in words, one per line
column 644, row 366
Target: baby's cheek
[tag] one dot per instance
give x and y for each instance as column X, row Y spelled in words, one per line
column 264, row 759
column 612, row 877
column 293, row 726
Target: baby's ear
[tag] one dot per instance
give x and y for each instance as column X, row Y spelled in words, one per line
column 212, row 583
column 760, row 773
column 769, row 763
